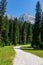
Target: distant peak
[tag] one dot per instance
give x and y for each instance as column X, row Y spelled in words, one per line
column 27, row 17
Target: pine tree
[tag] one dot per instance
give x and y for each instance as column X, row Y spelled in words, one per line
column 2, row 12
column 0, row 22
column 29, row 33
column 36, row 29
column 41, row 45
column 11, row 30
column 42, row 28
column 6, row 31
column 24, row 32
column 20, row 32
column 15, row 32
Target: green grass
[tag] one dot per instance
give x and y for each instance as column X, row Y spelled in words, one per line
column 33, row 51
column 6, row 55
column 23, row 45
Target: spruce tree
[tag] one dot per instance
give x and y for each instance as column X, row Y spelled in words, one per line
column 11, row 30
column 20, row 32
column 2, row 12
column 41, row 45
column 29, row 33
column 15, row 32
column 42, row 28
column 36, row 29
column 6, row 31
column 24, row 30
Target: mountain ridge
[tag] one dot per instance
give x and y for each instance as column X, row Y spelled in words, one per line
column 27, row 17
column 24, row 17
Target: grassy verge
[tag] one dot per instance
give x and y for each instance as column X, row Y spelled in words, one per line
column 33, row 51
column 23, row 45
column 6, row 55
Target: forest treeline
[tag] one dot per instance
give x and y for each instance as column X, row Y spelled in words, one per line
column 13, row 32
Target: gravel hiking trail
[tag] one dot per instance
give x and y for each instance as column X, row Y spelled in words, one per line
column 24, row 58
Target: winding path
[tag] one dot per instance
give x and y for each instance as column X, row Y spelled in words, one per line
column 24, row 58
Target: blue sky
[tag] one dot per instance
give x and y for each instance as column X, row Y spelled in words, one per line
column 18, row 7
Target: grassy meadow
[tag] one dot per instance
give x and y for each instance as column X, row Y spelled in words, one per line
column 7, row 54
column 27, row 48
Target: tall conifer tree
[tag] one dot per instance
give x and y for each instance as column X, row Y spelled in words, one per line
column 2, row 12
column 36, row 29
